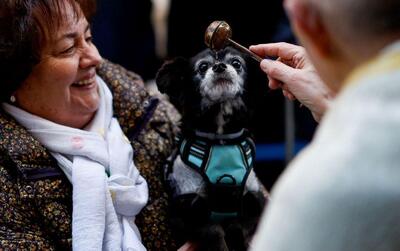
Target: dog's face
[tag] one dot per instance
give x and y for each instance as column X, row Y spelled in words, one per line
column 208, row 89
column 219, row 76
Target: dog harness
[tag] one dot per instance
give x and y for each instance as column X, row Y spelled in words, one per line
column 225, row 162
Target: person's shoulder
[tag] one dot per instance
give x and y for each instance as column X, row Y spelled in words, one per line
column 327, row 198
column 133, row 101
column 10, row 132
column 110, row 72
column 341, row 164
column 129, row 92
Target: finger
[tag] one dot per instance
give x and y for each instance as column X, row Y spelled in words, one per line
column 188, row 246
column 290, row 96
column 285, row 93
column 283, row 50
column 274, row 84
column 278, row 70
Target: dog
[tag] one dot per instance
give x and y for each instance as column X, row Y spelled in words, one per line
column 216, row 197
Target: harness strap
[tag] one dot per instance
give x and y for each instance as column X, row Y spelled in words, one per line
column 224, row 163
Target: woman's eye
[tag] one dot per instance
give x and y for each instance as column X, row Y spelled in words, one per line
column 69, row 50
column 89, row 39
column 203, row 67
column 236, row 64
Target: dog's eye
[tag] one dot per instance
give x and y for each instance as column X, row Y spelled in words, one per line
column 203, row 67
column 236, row 64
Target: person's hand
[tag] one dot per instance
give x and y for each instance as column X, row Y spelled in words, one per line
column 188, row 246
column 295, row 75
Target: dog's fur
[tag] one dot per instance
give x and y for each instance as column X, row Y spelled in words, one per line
column 209, row 90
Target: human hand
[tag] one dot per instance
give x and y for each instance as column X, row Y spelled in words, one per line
column 295, row 75
column 188, row 246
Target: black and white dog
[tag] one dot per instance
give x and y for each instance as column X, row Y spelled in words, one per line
column 217, row 199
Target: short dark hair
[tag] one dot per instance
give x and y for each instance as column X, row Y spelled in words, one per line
column 24, row 25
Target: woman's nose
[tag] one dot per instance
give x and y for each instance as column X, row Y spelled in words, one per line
column 90, row 57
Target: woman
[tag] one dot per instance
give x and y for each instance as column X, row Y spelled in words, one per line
column 68, row 175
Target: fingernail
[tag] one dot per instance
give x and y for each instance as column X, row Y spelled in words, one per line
column 264, row 63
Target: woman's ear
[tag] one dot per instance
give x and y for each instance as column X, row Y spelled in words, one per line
column 307, row 22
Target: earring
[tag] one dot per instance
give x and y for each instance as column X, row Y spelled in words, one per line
column 13, row 99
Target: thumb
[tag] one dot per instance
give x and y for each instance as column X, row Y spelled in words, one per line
column 277, row 70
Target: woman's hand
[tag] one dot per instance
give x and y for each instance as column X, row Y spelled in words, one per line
column 188, row 246
column 295, row 75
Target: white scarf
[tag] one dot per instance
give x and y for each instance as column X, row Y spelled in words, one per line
column 104, row 208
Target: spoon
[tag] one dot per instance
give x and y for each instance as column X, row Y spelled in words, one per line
column 218, row 36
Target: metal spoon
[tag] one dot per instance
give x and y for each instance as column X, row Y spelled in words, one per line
column 218, row 36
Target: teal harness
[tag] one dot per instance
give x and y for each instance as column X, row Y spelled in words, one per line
column 224, row 162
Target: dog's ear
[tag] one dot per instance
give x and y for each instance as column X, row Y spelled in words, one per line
column 172, row 79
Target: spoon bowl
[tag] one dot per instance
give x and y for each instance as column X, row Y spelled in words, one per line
column 218, row 35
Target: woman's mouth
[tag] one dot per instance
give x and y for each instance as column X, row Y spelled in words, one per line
column 85, row 83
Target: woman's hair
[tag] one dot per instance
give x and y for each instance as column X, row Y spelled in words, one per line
column 25, row 26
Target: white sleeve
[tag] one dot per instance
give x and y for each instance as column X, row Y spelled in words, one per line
column 333, row 198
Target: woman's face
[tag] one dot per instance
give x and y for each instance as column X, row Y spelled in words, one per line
column 62, row 88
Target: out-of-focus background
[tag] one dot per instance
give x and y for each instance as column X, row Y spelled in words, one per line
column 141, row 34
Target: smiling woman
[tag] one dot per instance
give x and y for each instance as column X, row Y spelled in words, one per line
column 62, row 87
column 78, row 137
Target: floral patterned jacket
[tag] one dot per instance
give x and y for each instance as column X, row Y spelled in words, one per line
column 36, row 197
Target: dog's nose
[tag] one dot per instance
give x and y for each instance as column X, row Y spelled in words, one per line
column 219, row 67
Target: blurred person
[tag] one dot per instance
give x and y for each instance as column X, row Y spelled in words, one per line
column 69, row 177
column 341, row 192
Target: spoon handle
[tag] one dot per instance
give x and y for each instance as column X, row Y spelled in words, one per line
column 245, row 50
